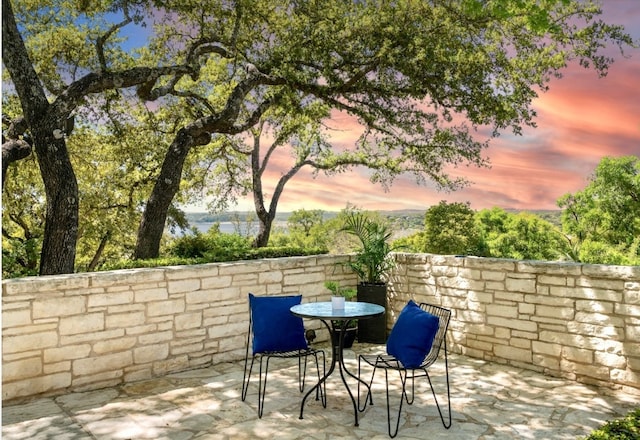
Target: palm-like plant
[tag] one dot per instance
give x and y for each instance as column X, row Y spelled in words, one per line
column 372, row 259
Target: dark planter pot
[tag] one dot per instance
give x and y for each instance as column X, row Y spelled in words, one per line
column 373, row 330
column 349, row 337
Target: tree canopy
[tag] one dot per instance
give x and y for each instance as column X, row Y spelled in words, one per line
column 602, row 221
column 449, row 229
column 430, row 82
column 523, row 236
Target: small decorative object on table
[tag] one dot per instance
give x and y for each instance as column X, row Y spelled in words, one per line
column 337, row 302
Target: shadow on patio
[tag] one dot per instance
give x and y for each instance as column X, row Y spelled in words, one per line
column 490, row 401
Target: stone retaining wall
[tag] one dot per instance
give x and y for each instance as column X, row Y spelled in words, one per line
column 575, row 321
column 91, row 330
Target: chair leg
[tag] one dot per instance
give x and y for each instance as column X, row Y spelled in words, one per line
column 413, row 388
column 247, row 376
column 446, row 364
column 302, row 372
column 262, row 385
column 403, row 397
column 369, row 396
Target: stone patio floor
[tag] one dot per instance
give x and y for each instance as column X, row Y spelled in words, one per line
column 489, row 401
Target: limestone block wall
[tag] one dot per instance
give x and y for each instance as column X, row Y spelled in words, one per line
column 575, row 321
column 92, row 330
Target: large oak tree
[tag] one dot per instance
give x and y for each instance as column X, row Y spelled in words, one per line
column 49, row 96
column 420, row 76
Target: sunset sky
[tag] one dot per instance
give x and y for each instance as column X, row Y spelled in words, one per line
column 581, row 119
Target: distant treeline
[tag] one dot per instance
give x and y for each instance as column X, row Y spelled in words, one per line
column 401, row 219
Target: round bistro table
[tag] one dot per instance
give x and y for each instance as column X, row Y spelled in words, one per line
column 336, row 321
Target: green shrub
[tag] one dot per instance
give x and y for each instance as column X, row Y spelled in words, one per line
column 595, row 252
column 627, row 428
column 192, row 245
column 216, row 256
column 154, row 262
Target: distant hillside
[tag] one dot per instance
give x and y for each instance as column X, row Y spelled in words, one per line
column 205, row 217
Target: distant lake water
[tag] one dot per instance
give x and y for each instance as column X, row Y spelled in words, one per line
column 228, row 227
column 243, row 228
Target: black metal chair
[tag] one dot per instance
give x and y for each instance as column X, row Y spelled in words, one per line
column 389, row 362
column 275, row 333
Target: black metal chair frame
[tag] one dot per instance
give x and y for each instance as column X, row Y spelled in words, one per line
column 264, row 359
column 388, row 362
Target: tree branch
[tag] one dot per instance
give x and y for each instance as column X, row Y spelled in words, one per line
column 103, row 38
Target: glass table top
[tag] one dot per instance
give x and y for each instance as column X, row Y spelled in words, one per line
column 324, row 310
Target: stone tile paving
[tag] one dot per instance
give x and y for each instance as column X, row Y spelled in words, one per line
column 490, row 402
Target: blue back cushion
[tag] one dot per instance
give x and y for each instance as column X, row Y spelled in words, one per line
column 412, row 335
column 274, row 327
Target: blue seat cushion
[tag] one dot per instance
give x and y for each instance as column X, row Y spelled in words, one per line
column 274, row 327
column 412, row 335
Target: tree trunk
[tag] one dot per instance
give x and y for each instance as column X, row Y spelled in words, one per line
column 61, row 222
column 264, row 231
column 166, row 186
column 61, row 189
column 265, row 217
column 99, row 252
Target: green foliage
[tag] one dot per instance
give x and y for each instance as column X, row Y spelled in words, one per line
column 449, row 229
column 371, row 261
column 522, row 236
column 626, row 428
column 597, row 252
column 303, row 221
column 20, row 257
column 22, row 220
column 217, row 256
column 193, row 245
column 283, row 251
column 602, row 221
column 411, row 243
column 325, row 234
column 152, row 262
column 305, row 229
column 213, row 245
column 454, row 229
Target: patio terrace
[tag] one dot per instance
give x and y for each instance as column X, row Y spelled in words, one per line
column 489, row 401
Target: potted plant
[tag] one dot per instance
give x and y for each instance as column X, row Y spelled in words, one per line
column 371, row 263
column 345, row 294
